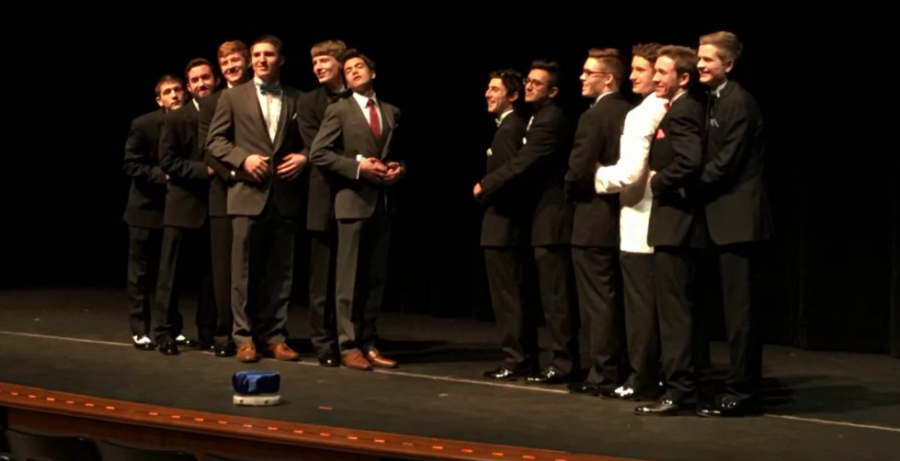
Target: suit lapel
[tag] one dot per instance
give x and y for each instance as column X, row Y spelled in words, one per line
column 357, row 116
column 255, row 110
column 388, row 117
column 287, row 113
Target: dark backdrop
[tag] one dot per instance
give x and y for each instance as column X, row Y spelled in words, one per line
column 832, row 275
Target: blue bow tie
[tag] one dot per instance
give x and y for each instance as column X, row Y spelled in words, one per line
column 274, row 88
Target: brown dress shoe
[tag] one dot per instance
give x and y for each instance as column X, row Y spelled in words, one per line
column 356, row 361
column 281, row 351
column 246, row 352
column 378, row 360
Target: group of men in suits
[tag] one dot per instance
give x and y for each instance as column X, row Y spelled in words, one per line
column 230, row 173
column 627, row 205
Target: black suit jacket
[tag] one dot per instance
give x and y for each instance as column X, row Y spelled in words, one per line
column 541, row 164
column 218, row 182
column 676, row 155
column 344, row 134
column 238, row 130
column 507, row 218
column 147, row 196
column 597, row 139
column 737, row 208
column 310, row 113
column 187, row 197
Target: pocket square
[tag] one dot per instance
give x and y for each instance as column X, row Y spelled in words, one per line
column 660, row 134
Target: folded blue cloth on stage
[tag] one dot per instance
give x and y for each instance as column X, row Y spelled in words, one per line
column 256, row 382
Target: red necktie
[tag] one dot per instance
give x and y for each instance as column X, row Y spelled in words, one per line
column 373, row 120
column 666, row 105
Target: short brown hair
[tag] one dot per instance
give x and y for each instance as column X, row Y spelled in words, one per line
column 728, row 45
column 271, row 40
column 354, row 53
column 167, row 78
column 611, row 59
column 685, row 59
column 231, row 47
column 334, row 48
column 197, row 62
column 648, row 51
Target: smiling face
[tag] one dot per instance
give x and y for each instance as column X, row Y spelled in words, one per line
column 712, row 69
column 234, row 67
column 201, row 81
column 266, row 61
column 327, row 69
column 498, row 98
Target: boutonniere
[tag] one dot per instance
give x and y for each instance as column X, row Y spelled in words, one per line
column 489, row 153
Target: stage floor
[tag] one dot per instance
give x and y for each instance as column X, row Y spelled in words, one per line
column 822, row 406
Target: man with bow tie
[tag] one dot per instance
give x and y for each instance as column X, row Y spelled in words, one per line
column 254, row 130
column 320, row 222
column 737, row 215
column 505, row 228
column 677, row 229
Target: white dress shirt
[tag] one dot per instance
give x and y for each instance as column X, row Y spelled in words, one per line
column 629, row 175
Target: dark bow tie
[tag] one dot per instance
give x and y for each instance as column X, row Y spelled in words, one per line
column 274, row 88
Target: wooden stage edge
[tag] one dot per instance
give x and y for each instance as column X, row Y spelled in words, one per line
column 202, row 432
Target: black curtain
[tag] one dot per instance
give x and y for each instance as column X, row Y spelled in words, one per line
column 832, row 273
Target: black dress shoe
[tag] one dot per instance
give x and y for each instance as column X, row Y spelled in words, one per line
column 168, row 347
column 585, row 388
column 228, row 350
column 729, row 406
column 663, row 407
column 330, row 360
column 549, row 375
column 506, row 373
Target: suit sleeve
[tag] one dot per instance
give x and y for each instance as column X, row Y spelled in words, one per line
column 687, row 145
column 221, row 135
column 736, row 125
column 207, row 111
column 308, row 120
column 589, row 145
column 326, row 148
column 634, row 150
column 541, row 141
column 173, row 152
column 137, row 163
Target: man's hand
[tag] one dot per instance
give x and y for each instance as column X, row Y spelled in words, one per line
column 209, row 171
column 291, row 166
column 256, row 166
column 394, row 172
column 372, row 169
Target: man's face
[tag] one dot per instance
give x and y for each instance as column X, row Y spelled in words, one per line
column 357, row 73
column 666, row 80
column 266, row 61
column 327, row 69
column 233, row 67
column 201, row 81
column 537, row 87
column 593, row 78
column 713, row 71
column 641, row 76
column 171, row 95
column 498, row 101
